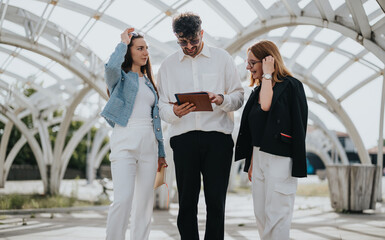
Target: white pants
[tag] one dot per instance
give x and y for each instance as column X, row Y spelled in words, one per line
column 134, row 158
column 273, row 194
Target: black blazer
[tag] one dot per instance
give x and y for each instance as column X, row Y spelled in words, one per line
column 285, row 129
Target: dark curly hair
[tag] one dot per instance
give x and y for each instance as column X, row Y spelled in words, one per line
column 186, row 25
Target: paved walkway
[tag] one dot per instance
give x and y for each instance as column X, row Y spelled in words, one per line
column 313, row 220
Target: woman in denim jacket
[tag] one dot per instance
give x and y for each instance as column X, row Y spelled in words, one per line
column 137, row 149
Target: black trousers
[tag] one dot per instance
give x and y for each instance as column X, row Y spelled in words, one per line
column 209, row 154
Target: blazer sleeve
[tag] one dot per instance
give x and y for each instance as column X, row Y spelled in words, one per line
column 113, row 68
column 299, row 125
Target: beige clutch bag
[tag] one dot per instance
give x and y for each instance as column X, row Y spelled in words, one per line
column 160, row 178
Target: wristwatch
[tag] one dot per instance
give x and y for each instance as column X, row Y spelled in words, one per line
column 223, row 97
column 267, row 76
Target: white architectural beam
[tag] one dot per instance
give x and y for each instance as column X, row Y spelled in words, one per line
column 259, row 9
column 332, row 136
column 60, row 139
column 39, row 28
column 32, row 63
column 225, row 14
column 325, row 9
column 97, row 142
column 261, row 28
column 358, row 86
column 73, row 6
column 3, row 150
column 292, row 7
column 3, row 14
column 360, row 19
column 342, row 115
column 99, row 157
column 31, row 141
column 73, row 143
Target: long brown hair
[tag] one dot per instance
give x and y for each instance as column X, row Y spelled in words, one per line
column 263, row 49
column 146, row 69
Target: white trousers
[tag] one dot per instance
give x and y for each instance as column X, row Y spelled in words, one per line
column 134, row 158
column 273, row 190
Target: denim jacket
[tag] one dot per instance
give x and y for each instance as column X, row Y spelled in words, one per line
column 123, row 88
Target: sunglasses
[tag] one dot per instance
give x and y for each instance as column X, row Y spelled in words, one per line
column 184, row 43
column 135, row 34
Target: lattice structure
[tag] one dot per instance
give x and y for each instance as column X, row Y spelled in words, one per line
column 57, row 48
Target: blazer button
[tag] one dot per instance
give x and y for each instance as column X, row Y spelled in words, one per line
column 122, row 78
column 240, row 134
column 156, row 116
column 278, row 121
column 158, row 129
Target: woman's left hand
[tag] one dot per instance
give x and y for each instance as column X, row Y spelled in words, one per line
column 161, row 163
column 268, row 65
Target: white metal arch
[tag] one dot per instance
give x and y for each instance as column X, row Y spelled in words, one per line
column 333, row 138
column 255, row 31
column 260, row 28
column 31, row 141
column 339, row 112
column 73, row 6
column 281, row 13
column 6, row 161
column 71, row 62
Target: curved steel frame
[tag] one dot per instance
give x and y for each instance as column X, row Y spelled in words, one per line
column 69, row 48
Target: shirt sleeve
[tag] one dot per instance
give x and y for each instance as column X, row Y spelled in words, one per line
column 166, row 111
column 233, row 97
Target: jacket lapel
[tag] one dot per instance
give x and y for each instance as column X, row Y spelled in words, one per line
column 278, row 90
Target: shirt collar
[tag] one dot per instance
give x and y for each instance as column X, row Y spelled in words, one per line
column 205, row 52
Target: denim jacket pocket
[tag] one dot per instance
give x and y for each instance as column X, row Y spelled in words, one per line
column 115, row 106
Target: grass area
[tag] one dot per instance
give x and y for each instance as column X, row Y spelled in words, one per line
column 313, row 190
column 19, row 201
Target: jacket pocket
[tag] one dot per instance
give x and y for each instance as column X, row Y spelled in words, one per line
column 286, row 138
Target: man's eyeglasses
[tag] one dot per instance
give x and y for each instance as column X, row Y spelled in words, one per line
column 184, row 43
column 251, row 64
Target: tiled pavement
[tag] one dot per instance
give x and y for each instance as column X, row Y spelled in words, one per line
column 313, row 220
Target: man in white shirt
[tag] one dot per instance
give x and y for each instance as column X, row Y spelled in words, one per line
column 201, row 141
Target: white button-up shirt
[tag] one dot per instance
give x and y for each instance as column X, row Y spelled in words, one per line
column 212, row 70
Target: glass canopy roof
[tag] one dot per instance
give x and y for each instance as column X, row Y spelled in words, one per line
column 58, row 47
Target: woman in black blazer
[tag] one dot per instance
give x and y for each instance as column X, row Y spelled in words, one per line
column 272, row 139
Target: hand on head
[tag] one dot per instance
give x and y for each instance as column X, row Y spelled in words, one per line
column 268, row 65
column 126, row 35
